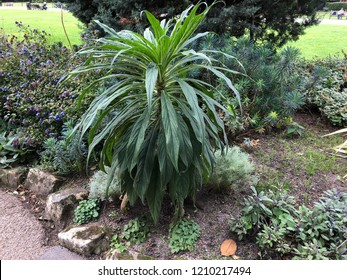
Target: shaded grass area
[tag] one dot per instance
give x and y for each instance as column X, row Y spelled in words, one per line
column 322, row 40
column 50, row 21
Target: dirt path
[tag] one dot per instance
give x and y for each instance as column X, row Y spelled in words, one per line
column 21, row 235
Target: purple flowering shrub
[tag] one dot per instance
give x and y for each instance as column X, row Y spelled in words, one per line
column 32, row 101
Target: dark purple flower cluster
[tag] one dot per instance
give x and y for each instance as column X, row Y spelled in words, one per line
column 31, row 99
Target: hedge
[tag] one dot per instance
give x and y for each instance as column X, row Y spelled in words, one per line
column 336, row 6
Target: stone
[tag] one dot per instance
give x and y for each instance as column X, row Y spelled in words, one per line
column 42, row 182
column 12, row 178
column 59, row 253
column 116, row 254
column 85, row 240
column 60, row 205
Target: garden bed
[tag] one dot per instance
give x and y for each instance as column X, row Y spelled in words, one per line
column 302, row 166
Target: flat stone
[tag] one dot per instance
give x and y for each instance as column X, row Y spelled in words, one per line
column 60, row 205
column 42, row 182
column 116, row 254
column 60, row 253
column 85, row 240
column 12, row 178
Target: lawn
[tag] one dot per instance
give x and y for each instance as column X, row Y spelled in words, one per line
column 319, row 41
column 50, row 21
column 322, row 40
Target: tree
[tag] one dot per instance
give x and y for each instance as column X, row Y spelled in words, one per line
column 264, row 20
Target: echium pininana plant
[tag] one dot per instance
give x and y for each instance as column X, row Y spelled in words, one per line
column 164, row 126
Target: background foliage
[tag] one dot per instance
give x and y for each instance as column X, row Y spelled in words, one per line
column 237, row 17
column 273, row 89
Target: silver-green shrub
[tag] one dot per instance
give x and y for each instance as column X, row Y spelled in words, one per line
column 98, row 184
column 232, row 168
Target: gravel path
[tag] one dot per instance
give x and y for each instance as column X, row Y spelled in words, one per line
column 21, row 235
column 334, row 21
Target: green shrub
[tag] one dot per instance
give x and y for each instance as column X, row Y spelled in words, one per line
column 86, row 211
column 272, row 84
column 32, row 101
column 98, row 186
column 231, row 168
column 165, row 124
column 336, row 6
column 327, row 88
column 332, row 104
column 302, row 233
column 184, row 235
column 65, row 155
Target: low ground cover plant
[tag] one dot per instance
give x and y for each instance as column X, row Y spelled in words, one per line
column 184, row 235
column 86, row 211
column 136, row 231
column 9, row 152
column 284, row 230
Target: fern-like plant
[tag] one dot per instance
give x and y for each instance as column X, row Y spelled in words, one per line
column 165, row 124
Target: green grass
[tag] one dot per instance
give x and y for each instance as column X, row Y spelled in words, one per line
column 50, row 21
column 322, row 40
column 319, row 41
column 305, row 157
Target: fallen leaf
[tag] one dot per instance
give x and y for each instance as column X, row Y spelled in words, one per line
column 228, row 247
column 124, row 203
column 255, row 143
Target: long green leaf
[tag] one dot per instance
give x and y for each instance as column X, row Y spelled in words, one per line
column 170, row 126
column 145, row 164
column 151, row 81
column 136, row 139
column 155, row 194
